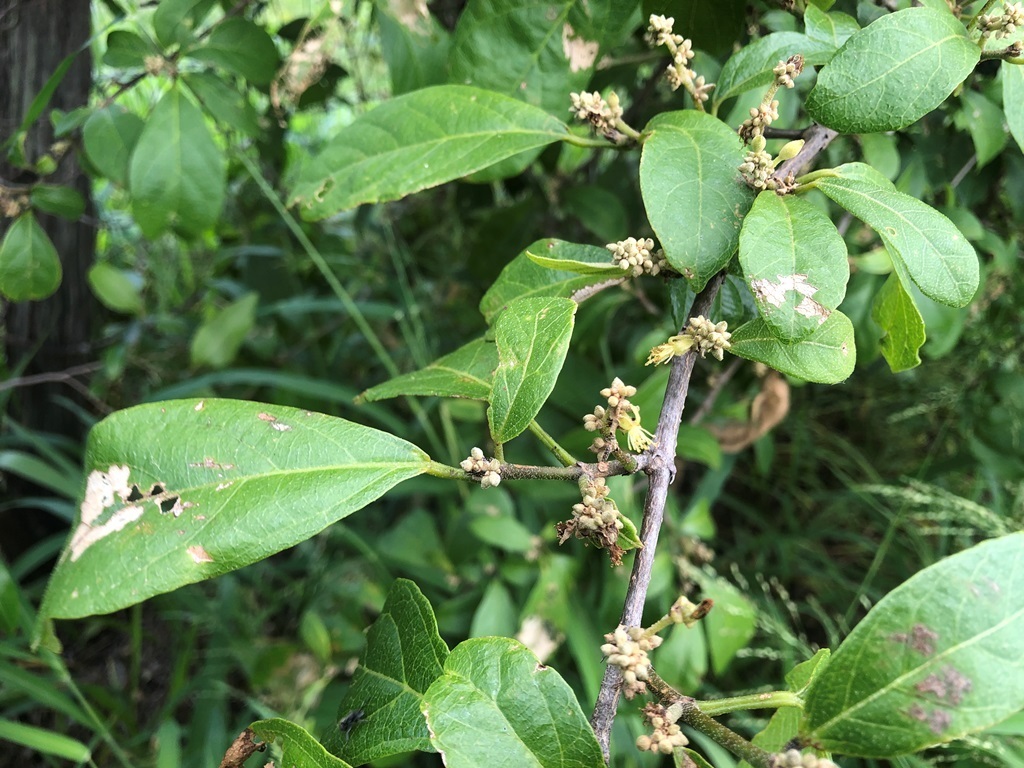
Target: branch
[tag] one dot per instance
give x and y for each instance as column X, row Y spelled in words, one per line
column 816, row 138
column 661, row 468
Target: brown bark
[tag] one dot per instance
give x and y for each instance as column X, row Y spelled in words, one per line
column 53, row 335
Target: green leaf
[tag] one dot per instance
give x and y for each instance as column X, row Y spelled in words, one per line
column 241, row 481
column 241, row 47
column 532, row 336
column 984, row 120
column 496, row 702
column 126, row 50
column 65, row 202
column 751, row 67
column 301, row 750
column 831, row 28
column 175, row 21
column 178, row 173
column 936, row 659
column 924, row 245
column 230, row 108
column 496, row 614
column 466, row 372
column 600, row 210
column 404, row 655
column 714, row 32
column 523, row 278
column 692, row 192
column 415, row 46
column 115, row 288
column 219, row 338
column 902, row 325
column 795, row 263
column 109, row 136
column 827, row 356
column 893, row 72
column 44, row 741
column 1013, row 99
column 576, row 267
column 732, row 622
column 29, row 265
column 418, row 141
column 535, row 52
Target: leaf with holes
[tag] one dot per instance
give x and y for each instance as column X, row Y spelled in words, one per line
column 186, row 490
column 524, row 278
column 937, row 658
column 924, row 245
column 29, row 264
column 827, row 356
column 893, row 72
column 902, row 325
column 299, row 748
column 466, row 372
column 418, row 141
column 795, row 263
column 496, row 699
column 692, row 191
column 178, row 172
column 532, row 336
column 404, row 655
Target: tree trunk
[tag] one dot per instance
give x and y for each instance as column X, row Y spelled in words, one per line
column 35, row 36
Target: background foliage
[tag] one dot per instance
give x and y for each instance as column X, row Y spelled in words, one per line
column 856, row 489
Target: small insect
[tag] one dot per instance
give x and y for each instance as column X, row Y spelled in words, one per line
column 350, row 721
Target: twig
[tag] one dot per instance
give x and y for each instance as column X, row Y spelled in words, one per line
column 661, row 468
column 784, row 133
column 816, row 138
column 67, row 375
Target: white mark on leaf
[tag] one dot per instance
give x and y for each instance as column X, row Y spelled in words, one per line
column 774, row 293
column 200, row 555
column 579, row 52
column 102, row 489
column 199, row 406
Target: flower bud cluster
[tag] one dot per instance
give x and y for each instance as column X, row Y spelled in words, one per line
column 478, row 465
column 666, row 736
column 1000, row 25
column 627, row 648
column 760, row 118
column 786, row 70
column 700, row 333
column 659, row 32
column 12, row 204
column 792, row 758
column 597, row 511
column 595, row 519
column 710, row 337
column 757, row 166
column 593, row 109
column 637, row 256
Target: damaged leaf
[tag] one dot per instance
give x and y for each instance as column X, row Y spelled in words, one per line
column 795, row 263
column 936, row 659
column 182, row 491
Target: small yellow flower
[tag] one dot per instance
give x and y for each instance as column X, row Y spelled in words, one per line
column 676, row 345
column 638, row 438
